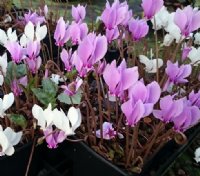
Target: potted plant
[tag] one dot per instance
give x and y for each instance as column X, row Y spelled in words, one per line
column 122, row 112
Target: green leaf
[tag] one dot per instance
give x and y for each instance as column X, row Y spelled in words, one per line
column 19, row 120
column 14, row 71
column 44, row 97
column 49, row 86
column 76, row 99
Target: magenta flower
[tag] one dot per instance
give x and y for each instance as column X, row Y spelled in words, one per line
column 194, row 98
column 66, row 58
column 141, row 101
column 176, row 74
column 73, row 87
column 134, row 111
column 15, row 85
column 151, row 7
column 117, row 14
column 78, row 13
column 187, row 20
column 34, row 18
column 108, row 131
column 77, row 32
column 185, row 52
column 101, row 67
column 170, row 109
column 61, row 35
column 54, row 138
column 189, row 117
column 112, row 34
column 33, row 64
column 90, row 51
column 16, row 51
column 124, row 77
column 138, row 29
column 33, row 49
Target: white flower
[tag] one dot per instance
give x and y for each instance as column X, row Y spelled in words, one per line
column 3, row 68
column 9, row 36
column 168, row 39
column 30, row 33
column 56, row 78
column 197, row 38
column 194, row 56
column 6, row 103
column 56, row 117
column 8, row 138
column 161, row 18
column 150, row 64
column 197, row 155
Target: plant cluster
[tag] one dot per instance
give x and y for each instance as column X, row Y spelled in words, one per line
column 56, row 80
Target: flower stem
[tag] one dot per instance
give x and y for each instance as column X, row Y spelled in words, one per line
column 100, row 108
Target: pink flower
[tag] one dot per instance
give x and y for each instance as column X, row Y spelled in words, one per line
column 73, row 87
column 78, row 13
column 53, row 138
column 15, row 85
column 138, row 29
column 117, row 14
column 66, row 58
column 90, row 51
column 34, row 18
column 16, row 51
column 61, row 35
column 118, row 78
column 151, row 7
column 187, row 20
column 108, row 131
column 77, row 32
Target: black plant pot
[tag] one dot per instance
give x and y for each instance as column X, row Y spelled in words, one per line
column 16, row 164
column 78, row 159
column 88, row 162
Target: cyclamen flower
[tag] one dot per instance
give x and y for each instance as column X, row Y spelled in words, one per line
column 9, row 138
column 194, row 56
column 53, row 138
column 61, row 34
column 90, row 51
column 6, row 103
column 56, row 78
column 9, row 36
column 77, row 32
column 112, row 34
column 185, row 52
column 189, row 117
column 138, row 29
column 33, row 34
column 73, row 87
column 16, row 51
column 170, row 109
column 124, row 77
column 34, row 18
column 48, row 117
column 161, row 19
column 108, row 131
column 150, row 64
column 78, row 13
column 141, row 101
column 3, row 68
column 177, row 74
column 197, row 155
column 16, row 89
column 197, row 38
column 189, row 20
column 151, row 7
column 117, row 14
column 194, row 98
column 66, row 58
